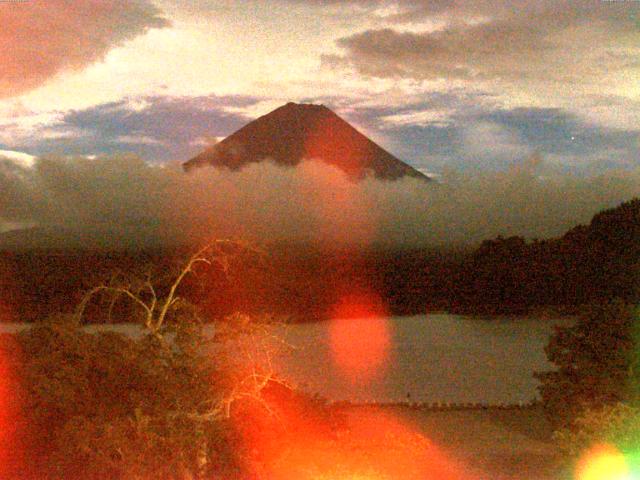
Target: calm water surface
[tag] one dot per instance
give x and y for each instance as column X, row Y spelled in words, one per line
column 432, row 358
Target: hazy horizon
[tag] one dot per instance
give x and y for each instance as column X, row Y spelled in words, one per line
column 139, row 201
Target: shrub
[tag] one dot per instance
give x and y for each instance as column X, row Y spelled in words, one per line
column 596, row 361
column 617, row 425
column 112, row 406
column 109, row 406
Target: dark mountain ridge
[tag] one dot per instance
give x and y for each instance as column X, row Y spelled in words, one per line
column 295, row 132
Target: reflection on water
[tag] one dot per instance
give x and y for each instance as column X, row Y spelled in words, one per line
column 432, row 358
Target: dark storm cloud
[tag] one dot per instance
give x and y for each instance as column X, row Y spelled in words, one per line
column 41, row 38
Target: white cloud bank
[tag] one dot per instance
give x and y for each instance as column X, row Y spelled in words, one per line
column 264, row 202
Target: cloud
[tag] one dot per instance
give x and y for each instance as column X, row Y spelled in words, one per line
column 434, row 130
column 463, row 130
column 420, row 117
column 491, row 145
column 542, row 44
column 124, row 199
column 473, row 52
column 21, row 158
column 45, row 38
column 156, row 127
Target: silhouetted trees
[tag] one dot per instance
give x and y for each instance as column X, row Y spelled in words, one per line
column 593, row 398
column 589, row 264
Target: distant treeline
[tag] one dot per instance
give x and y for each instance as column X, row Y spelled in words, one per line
column 589, row 264
column 500, row 276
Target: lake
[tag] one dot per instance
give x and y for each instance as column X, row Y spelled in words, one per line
column 431, row 358
column 437, row 358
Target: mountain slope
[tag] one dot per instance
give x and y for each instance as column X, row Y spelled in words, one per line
column 295, row 132
column 589, row 264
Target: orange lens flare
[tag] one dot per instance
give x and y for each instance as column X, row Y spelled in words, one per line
column 395, row 450
column 294, row 439
column 603, row 462
column 9, row 451
column 342, row 213
column 360, row 337
column 322, row 140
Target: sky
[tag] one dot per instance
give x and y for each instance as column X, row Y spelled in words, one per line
column 465, row 85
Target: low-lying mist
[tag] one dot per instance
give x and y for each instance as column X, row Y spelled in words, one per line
column 125, row 200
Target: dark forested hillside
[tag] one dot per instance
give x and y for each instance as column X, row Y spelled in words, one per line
column 586, row 265
column 504, row 275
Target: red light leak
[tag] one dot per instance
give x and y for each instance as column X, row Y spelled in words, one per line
column 395, row 450
column 9, row 450
column 327, row 133
column 286, row 435
column 359, row 336
column 294, row 440
column 340, row 215
column 6, row 313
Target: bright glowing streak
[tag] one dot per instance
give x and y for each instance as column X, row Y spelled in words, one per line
column 353, row 477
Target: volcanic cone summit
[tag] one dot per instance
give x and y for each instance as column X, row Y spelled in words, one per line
column 295, row 132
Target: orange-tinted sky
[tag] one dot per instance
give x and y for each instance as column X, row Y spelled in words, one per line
column 439, row 83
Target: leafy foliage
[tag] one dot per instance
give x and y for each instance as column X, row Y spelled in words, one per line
column 153, row 403
column 616, row 424
column 596, row 360
column 109, row 406
column 112, row 406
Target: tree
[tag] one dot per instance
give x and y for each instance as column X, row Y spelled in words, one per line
column 141, row 289
column 107, row 405
column 596, row 360
column 111, row 406
column 616, row 425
